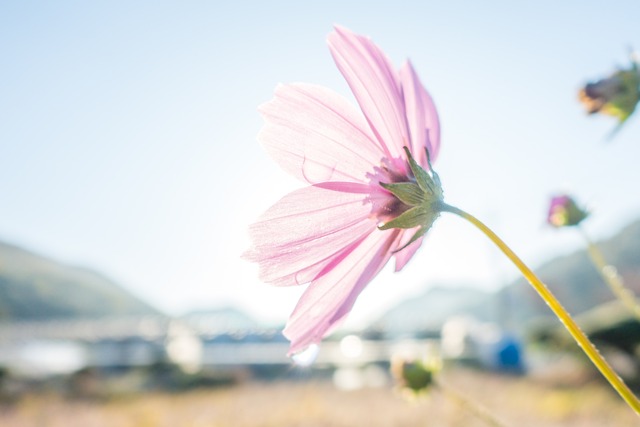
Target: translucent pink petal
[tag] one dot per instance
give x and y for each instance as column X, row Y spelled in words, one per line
column 327, row 234
column 317, row 135
column 329, row 298
column 403, row 256
column 422, row 116
column 295, row 240
column 375, row 84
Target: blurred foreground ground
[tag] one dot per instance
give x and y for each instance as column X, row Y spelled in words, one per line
column 516, row 400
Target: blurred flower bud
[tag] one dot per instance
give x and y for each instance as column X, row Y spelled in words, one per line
column 564, row 212
column 416, row 376
column 413, row 375
column 616, row 95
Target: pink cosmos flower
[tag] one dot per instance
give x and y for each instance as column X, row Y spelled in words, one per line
column 369, row 197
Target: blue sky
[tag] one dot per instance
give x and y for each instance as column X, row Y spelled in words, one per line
column 128, row 137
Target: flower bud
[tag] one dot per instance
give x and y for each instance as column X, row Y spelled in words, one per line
column 616, row 95
column 564, row 212
column 416, row 376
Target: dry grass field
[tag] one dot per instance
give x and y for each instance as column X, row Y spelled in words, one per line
column 516, row 401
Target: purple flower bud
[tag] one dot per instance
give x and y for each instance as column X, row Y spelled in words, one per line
column 564, row 212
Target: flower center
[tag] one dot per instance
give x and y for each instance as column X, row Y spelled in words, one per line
column 417, row 200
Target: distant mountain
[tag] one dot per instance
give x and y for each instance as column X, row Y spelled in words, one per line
column 572, row 278
column 575, row 281
column 429, row 311
column 33, row 287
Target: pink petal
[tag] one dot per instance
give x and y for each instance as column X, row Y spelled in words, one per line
column 422, row 116
column 329, row 298
column 317, row 135
column 403, row 256
column 375, row 84
column 298, row 237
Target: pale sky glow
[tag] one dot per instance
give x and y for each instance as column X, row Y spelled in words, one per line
column 128, row 137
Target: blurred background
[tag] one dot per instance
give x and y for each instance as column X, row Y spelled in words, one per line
column 130, row 170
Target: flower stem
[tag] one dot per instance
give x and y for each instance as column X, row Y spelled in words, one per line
column 475, row 409
column 587, row 346
column 611, row 276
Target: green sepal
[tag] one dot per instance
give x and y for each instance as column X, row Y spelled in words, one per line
column 421, row 196
column 408, row 193
column 623, row 104
column 422, row 177
column 412, row 218
column 436, row 177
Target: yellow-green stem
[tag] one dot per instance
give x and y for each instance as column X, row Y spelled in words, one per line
column 475, row 409
column 611, row 277
column 587, row 346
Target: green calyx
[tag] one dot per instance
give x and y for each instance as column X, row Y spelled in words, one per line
column 422, row 194
column 623, row 103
